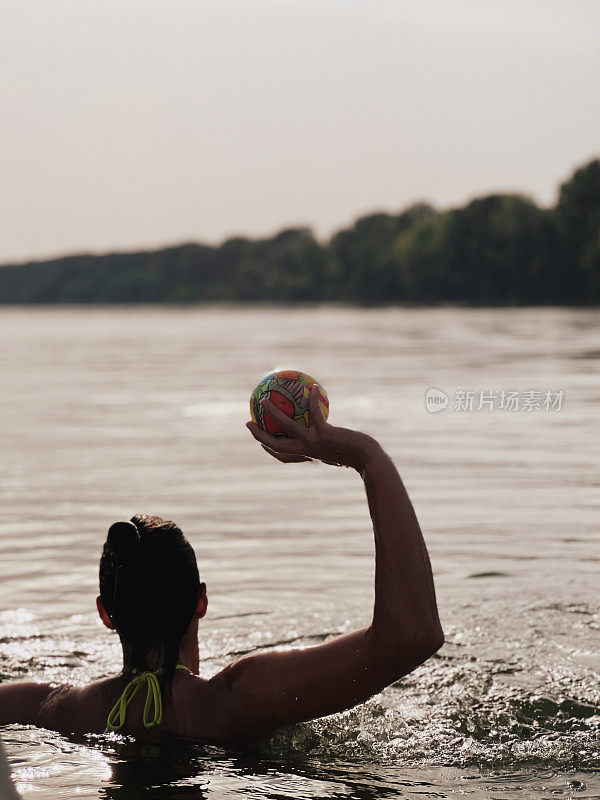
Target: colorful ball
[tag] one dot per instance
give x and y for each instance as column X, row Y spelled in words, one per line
column 288, row 390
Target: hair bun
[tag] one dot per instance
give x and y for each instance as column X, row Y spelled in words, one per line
column 123, row 539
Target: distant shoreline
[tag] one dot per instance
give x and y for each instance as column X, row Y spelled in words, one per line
column 308, row 305
column 496, row 251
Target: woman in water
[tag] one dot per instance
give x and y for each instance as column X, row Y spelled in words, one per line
column 151, row 594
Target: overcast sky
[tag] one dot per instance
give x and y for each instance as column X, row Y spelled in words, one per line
column 135, row 124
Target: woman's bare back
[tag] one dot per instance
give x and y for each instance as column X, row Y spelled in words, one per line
column 192, row 709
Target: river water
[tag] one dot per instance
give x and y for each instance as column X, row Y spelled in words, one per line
column 106, row 412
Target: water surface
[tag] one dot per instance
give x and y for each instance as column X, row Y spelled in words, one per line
column 106, row 412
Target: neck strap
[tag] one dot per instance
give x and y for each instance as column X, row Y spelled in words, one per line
column 116, row 717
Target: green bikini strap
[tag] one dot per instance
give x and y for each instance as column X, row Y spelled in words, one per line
column 116, row 718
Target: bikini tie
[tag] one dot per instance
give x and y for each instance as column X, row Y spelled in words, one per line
column 116, row 718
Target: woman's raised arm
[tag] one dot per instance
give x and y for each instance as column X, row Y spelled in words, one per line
column 269, row 689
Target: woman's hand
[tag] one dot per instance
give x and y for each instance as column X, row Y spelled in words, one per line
column 322, row 441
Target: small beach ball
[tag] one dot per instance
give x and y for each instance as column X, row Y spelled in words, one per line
column 288, row 390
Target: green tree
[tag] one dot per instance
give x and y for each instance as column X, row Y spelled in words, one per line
column 361, row 265
column 491, row 251
column 578, row 220
column 288, row 267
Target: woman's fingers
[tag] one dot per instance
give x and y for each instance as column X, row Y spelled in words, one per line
column 316, row 414
column 299, row 441
column 294, row 429
column 285, row 459
column 279, row 444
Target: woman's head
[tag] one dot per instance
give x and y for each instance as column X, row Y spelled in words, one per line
column 149, row 588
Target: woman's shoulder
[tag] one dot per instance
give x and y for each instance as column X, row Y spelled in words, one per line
column 76, row 709
column 20, row 702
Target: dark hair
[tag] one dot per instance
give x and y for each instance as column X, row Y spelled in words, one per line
column 149, row 587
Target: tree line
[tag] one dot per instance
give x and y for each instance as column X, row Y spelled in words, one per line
column 501, row 249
